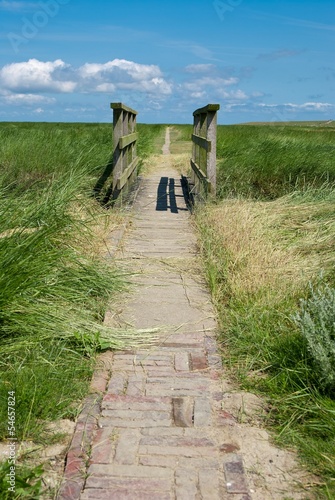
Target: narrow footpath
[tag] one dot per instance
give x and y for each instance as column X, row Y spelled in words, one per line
column 162, row 430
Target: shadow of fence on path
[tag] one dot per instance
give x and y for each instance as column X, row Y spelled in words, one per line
column 167, row 197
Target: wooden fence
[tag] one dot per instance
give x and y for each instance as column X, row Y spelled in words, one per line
column 203, row 161
column 124, row 162
column 125, row 159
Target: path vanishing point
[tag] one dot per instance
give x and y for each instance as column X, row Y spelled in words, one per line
column 155, row 426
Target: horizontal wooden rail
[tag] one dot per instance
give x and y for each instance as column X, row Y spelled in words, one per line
column 200, row 174
column 202, row 142
column 127, row 139
column 123, row 179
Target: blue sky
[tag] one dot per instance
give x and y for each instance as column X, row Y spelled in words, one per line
column 66, row 60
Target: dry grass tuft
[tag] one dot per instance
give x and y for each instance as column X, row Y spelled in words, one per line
column 277, row 246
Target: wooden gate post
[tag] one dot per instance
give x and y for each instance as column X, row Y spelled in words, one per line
column 211, row 155
column 117, row 151
column 203, row 161
column 125, row 159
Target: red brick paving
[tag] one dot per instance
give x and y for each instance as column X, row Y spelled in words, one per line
column 157, row 432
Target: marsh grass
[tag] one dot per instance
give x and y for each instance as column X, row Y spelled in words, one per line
column 269, row 161
column 55, row 284
column 181, row 140
column 268, row 239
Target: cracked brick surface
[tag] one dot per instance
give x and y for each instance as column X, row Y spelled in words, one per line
column 161, row 431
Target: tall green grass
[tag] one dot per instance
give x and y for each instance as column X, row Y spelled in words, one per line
column 270, row 161
column 54, row 284
column 268, row 245
column 151, row 139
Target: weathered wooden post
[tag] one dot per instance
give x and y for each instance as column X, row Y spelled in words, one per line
column 211, row 154
column 203, row 161
column 125, row 136
column 117, row 134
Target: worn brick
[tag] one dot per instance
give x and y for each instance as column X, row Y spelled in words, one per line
column 82, row 436
column 195, row 383
column 234, row 473
column 163, row 371
column 202, row 412
column 103, row 446
column 175, row 348
column 117, row 384
column 159, row 461
column 187, row 381
column 133, row 424
column 129, row 483
column 176, row 441
column 211, row 345
column 124, row 368
column 99, row 381
column 122, row 494
column 186, row 484
column 75, row 465
column 182, row 362
column 160, row 389
column 229, row 447
column 129, row 471
column 224, row 418
column 163, row 431
column 209, row 484
column 154, row 357
column 195, row 335
column 120, row 402
column 200, row 462
column 136, row 384
column 70, row 490
column 183, row 412
column 123, row 357
column 137, row 414
column 214, row 361
column 179, row 451
column 199, row 362
column 150, row 363
column 127, row 447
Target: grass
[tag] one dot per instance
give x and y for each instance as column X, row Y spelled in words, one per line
column 180, row 139
column 54, row 284
column 269, row 161
column 267, row 242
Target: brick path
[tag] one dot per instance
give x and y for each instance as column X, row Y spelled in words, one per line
column 160, row 431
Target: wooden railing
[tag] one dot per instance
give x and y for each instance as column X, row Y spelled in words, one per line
column 203, row 161
column 124, row 161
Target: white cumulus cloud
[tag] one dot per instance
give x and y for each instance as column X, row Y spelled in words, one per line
column 36, row 76
column 123, row 74
column 28, row 99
